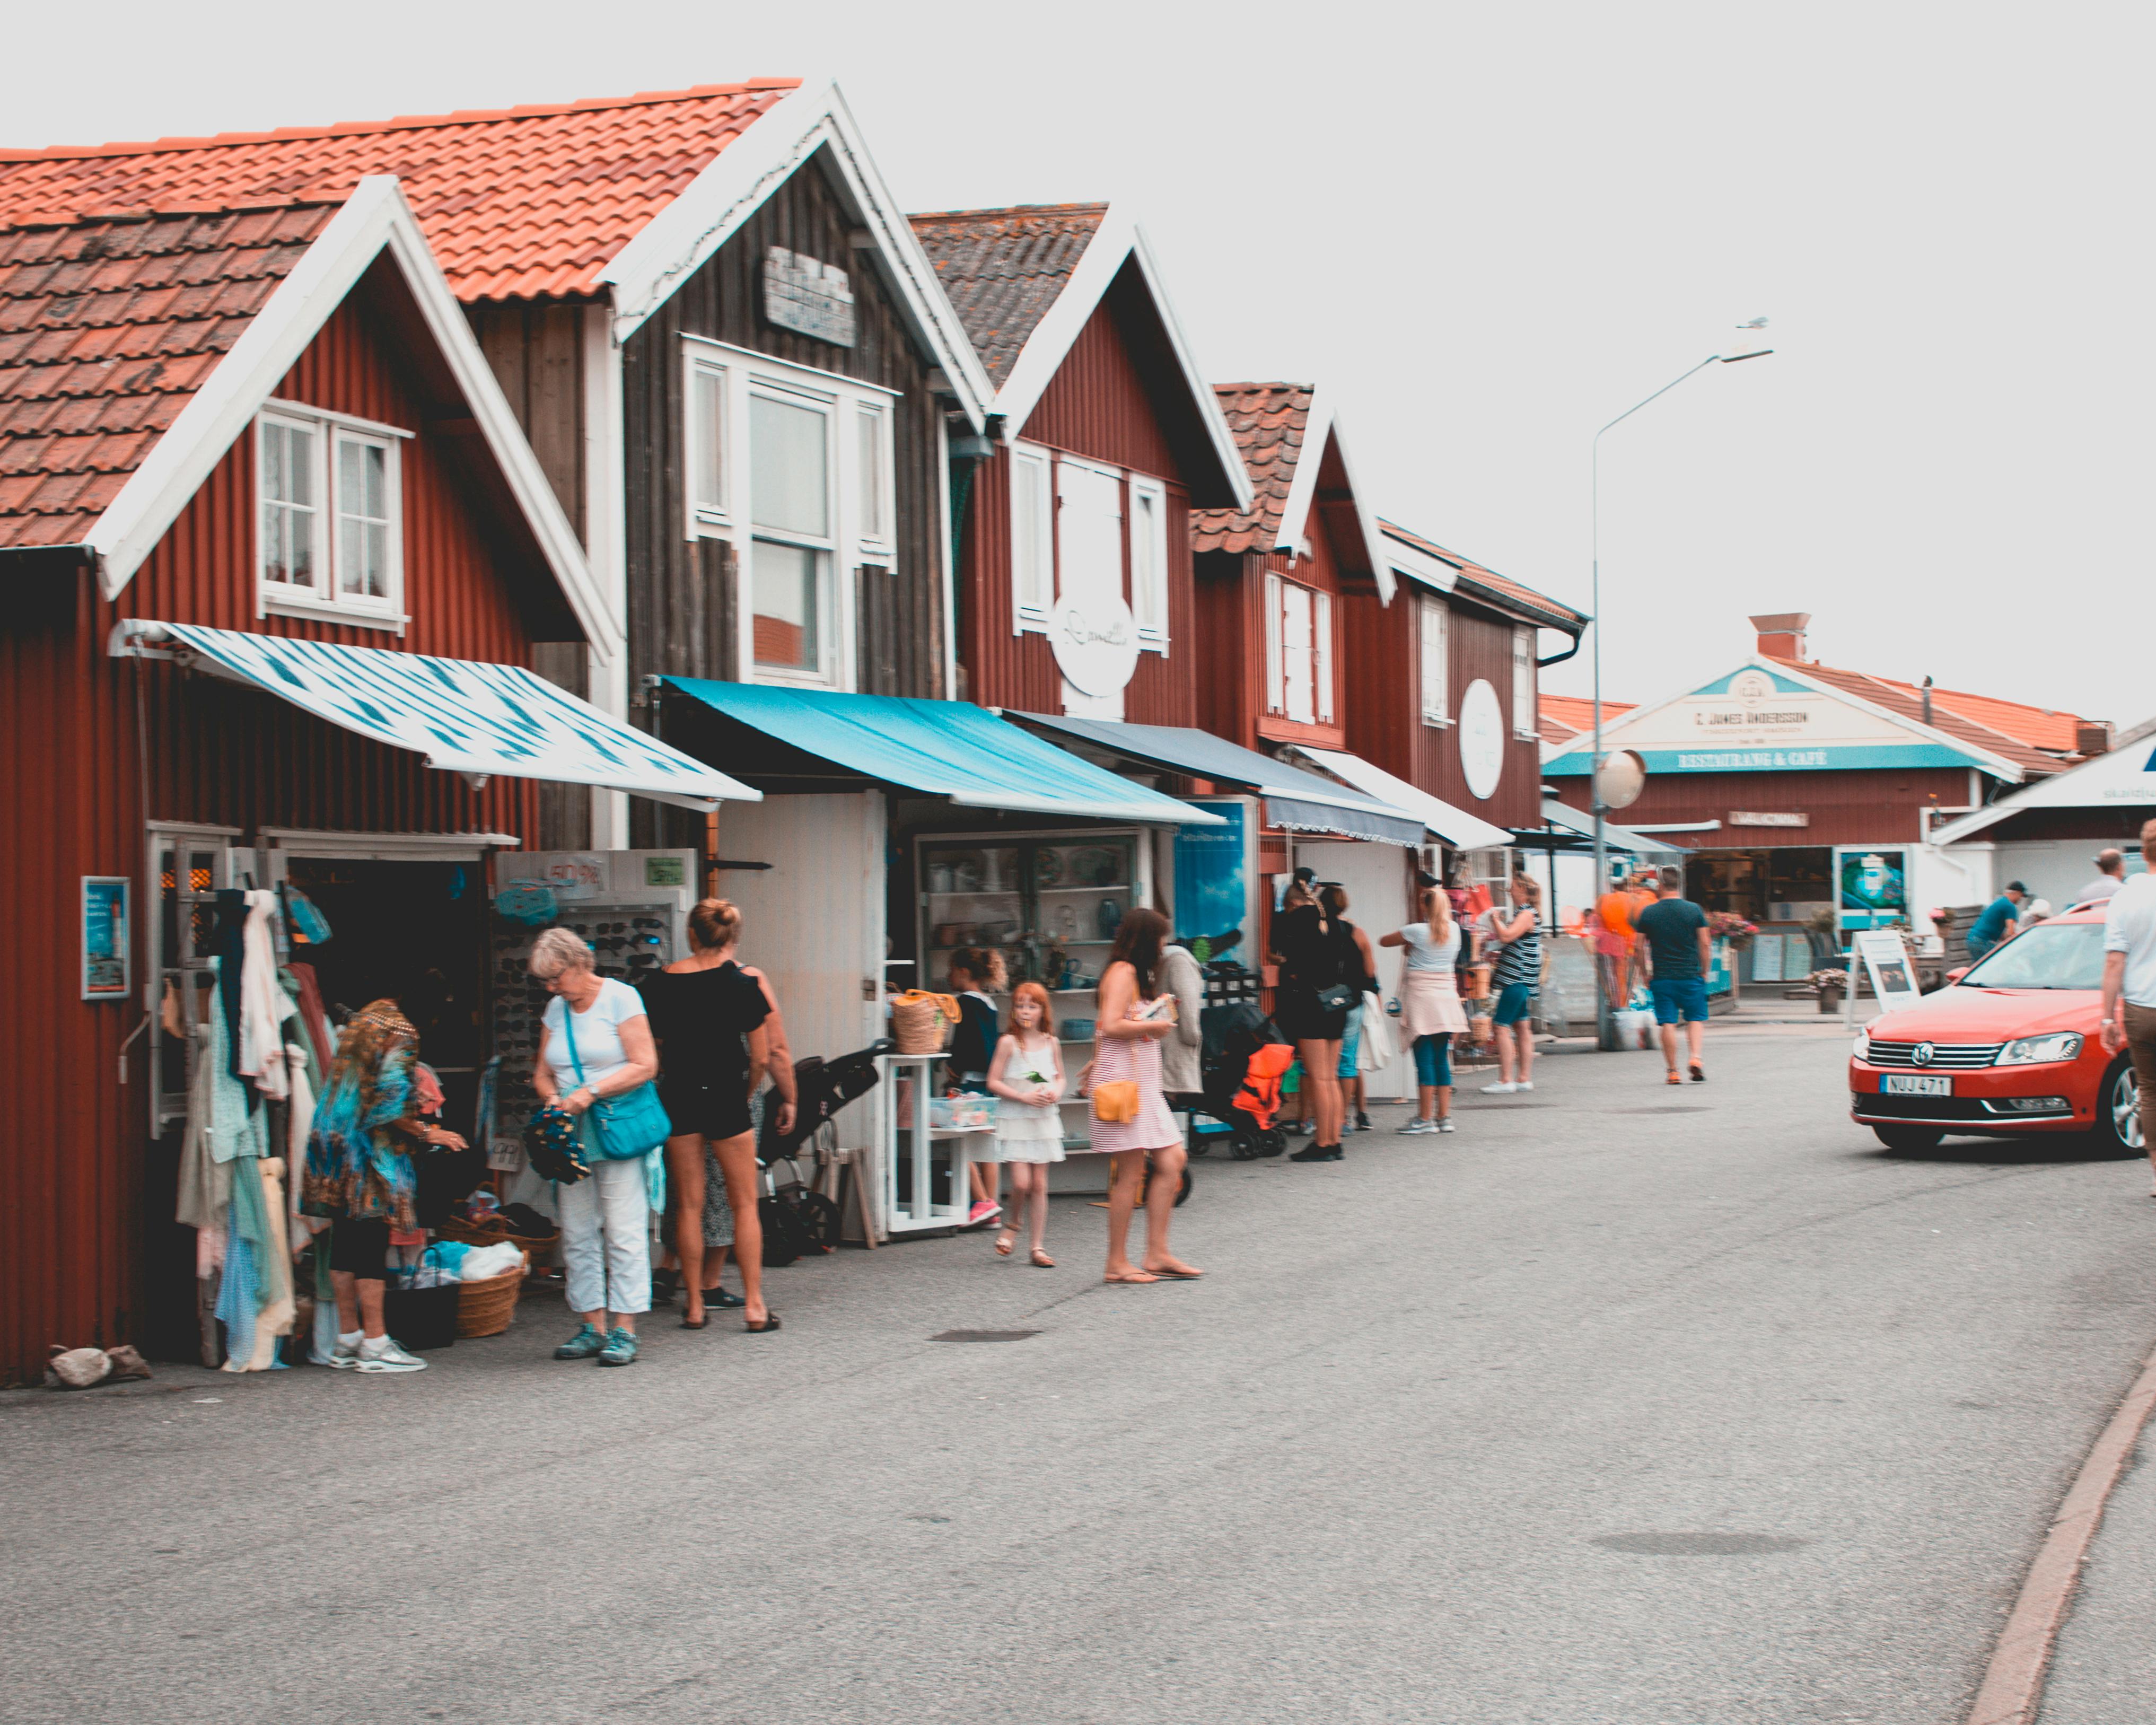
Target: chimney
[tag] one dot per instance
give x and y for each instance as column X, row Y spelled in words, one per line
column 1926, row 691
column 1782, row 635
column 2092, row 737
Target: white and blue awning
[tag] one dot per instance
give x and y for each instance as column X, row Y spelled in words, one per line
column 483, row 721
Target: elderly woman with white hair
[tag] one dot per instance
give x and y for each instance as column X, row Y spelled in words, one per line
column 595, row 1042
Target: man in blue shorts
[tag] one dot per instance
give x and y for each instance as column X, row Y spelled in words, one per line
column 1674, row 930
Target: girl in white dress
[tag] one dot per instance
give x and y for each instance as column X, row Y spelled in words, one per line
column 1026, row 1078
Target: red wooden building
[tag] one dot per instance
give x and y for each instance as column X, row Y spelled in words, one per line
column 248, row 453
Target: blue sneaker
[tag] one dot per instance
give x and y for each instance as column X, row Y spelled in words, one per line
column 585, row 1343
column 620, row 1349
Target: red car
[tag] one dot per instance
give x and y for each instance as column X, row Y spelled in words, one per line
column 2011, row 1046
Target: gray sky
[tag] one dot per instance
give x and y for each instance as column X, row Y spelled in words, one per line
column 1488, row 229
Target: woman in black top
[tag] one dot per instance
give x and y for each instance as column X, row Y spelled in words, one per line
column 1316, row 955
column 708, row 1019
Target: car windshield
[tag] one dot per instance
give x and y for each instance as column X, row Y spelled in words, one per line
column 2055, row 955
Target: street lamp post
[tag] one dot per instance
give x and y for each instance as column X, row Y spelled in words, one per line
column 1752, row 344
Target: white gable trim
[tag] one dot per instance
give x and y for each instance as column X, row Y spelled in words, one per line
column 2080, row 786
column 374, row 219
column 681, row 240
column 1302, row 493
column 1419, row 565
column 1996, row 765
column 1115, row 240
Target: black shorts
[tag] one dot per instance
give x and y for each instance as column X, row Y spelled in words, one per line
column 1301, row 1018
column 716, row 1111
column 361, row 1247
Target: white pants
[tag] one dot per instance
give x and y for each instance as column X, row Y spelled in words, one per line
column 606, row 1239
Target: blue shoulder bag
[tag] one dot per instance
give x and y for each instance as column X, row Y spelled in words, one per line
column 629, row 1125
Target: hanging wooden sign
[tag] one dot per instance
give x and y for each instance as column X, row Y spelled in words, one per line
column 803, row 293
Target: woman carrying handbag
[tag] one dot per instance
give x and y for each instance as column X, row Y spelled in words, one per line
column 1131, row 1123
column 595, row 1064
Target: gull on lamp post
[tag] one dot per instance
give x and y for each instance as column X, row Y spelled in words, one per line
column 1750, row 342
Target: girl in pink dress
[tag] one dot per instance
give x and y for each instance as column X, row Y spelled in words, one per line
column 1129, row 1026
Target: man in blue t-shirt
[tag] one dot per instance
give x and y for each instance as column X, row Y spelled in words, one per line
column 1996, row 924
column 1675, row 930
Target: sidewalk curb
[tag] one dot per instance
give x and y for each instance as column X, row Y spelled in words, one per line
column 2013, row 1687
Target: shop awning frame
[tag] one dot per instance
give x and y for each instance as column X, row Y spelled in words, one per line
column 463, row 715
column 1581, row 825
column 1456, row 827
column 942, row 748
column 1298, row 801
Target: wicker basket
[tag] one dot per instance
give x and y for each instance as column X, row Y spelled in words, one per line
column 485, row 1308
column 921, row 1023
column 494, row 1233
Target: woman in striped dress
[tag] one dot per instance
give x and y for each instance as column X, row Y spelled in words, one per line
column 1518, row 973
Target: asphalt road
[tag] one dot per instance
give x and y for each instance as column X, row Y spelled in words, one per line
column 1621, row 1405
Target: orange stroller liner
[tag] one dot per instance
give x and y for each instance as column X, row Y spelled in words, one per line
column 1260, row 1098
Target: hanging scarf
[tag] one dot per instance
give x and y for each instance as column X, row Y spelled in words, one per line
column 359, row 1160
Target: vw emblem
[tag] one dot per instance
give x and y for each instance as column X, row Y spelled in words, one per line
column 1922, row 1054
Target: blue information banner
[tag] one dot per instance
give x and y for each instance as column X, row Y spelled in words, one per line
column 105, row 936
column 1212, row 881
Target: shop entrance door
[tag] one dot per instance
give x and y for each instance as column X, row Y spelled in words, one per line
column 414, row 929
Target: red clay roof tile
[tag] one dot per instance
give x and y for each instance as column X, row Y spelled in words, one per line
column 1267, row 421
column 517, row 203
column 1488, row 584
column 89, row 380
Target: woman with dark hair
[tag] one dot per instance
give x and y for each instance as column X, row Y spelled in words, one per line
column 1131, row 1119
column 1319, row 967
column 709, row 1018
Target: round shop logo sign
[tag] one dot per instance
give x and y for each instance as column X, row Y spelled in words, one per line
column 1096, row 642
column 1481, row 739
column 1751, row 686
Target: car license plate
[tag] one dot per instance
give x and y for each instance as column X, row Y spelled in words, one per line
column 1895, row 1084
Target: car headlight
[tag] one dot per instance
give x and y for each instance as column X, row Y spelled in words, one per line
column 2029, row 1050
column 1861, row 1045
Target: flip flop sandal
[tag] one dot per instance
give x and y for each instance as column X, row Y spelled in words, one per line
column 1005, row 1240
column 1041, row 1261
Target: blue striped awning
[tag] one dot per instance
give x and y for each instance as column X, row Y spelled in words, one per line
column 486, row 721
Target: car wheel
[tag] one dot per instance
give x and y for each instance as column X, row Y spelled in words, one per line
column 1909, row 1137
column 2117, row 1130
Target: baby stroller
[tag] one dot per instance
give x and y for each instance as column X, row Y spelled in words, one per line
column 1242, row 1062
column 798, row 1217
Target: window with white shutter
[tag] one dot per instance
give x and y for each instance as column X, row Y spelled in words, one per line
column 1033, row 540
column 1322, row 659
column 1523, row 684
column 1089, row 531
column 1149, row 562
column 1296, row 653
column 1436, row 624
column 1273, row 677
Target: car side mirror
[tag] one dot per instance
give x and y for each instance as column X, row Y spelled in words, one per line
column 1956, row 974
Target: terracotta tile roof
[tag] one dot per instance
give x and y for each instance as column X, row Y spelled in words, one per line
column 1003, row 268
column 1564, row 716
column 517, row 203
column 1267, row 421
column 2055, row 733
column 1487, row 584
column 107, row 328
column 1900, row 699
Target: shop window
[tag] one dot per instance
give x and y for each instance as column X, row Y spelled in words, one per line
column 329, row 537
column 797, row 469
column 1032, row 541
column 1149, row 562
column 1524, row 724
column 1298, row 652
column 1436, row 622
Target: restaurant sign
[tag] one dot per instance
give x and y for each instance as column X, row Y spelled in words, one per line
column 1756, row 720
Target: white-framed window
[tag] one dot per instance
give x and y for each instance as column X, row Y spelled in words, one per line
column 1033, row 538
column 1435, row 624
column 1149, row 562
column 329, row 517
column 795, row 467
column 1275, row 679
column 704, row 442
column 1321, row 657
column 1089, row 530
column 1298, row 652
column 1524, row 723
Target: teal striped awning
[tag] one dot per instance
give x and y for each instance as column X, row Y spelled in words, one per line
column 484, row 721
column 945, row 748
